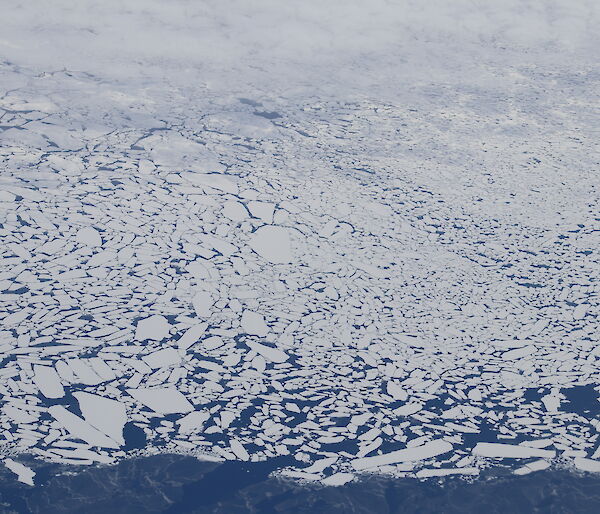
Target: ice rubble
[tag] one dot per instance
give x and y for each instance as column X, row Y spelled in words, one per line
column 255, row 295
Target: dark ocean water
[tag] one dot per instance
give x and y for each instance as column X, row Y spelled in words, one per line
column 178, row 484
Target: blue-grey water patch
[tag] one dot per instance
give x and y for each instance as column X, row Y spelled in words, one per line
column 177, row 484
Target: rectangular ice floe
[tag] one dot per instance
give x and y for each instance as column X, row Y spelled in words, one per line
column 48, row 381
column 270, row 353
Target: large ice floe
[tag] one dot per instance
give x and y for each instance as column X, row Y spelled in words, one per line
column 370, row 251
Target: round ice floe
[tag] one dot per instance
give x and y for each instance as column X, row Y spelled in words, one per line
column 254, row 323
column 235, row 211
column 155, row 327
column 89, row 236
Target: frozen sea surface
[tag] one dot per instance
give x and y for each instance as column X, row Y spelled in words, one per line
column 310, row 249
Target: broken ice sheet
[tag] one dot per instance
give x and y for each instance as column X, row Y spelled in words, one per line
column 107, row 415
column 81, row 429
column 346, row 275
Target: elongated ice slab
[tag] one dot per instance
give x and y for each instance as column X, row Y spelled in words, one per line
column 24, row 474
column 510, row 451
column 48, row 381
column 162, row 400
column 426, row 451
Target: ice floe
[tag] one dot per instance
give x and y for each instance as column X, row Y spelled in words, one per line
column 162, row 400
column 272, row 243
column 24, row 474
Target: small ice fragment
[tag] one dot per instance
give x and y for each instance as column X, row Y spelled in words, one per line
column 408, row 409
column 254, row 323
column 231, row 359
column 537, row 465
column 580, row 311
column 24, row 474
column 192, row 421
column 320, row 465
column 518, row 353
column 396, row 391
column 537, row 443
column 155, row 327
column 551, row 402
column 474, row 395
column 162, row 400
column 48, row 381
column 213, row 342
column 89, row 236
column 272, row 243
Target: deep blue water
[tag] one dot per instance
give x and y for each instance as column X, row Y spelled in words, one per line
column 177, row 484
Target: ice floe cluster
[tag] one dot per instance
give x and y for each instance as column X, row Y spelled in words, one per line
column 358, row 284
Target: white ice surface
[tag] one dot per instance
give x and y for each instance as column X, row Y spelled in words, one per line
column 162, row 400
column 107, row 415
column 24, row 473
column 417, row 453
column 81, row 429
column 510, row 451
column 272, row 244
column 48, row 381
column 155, row 328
